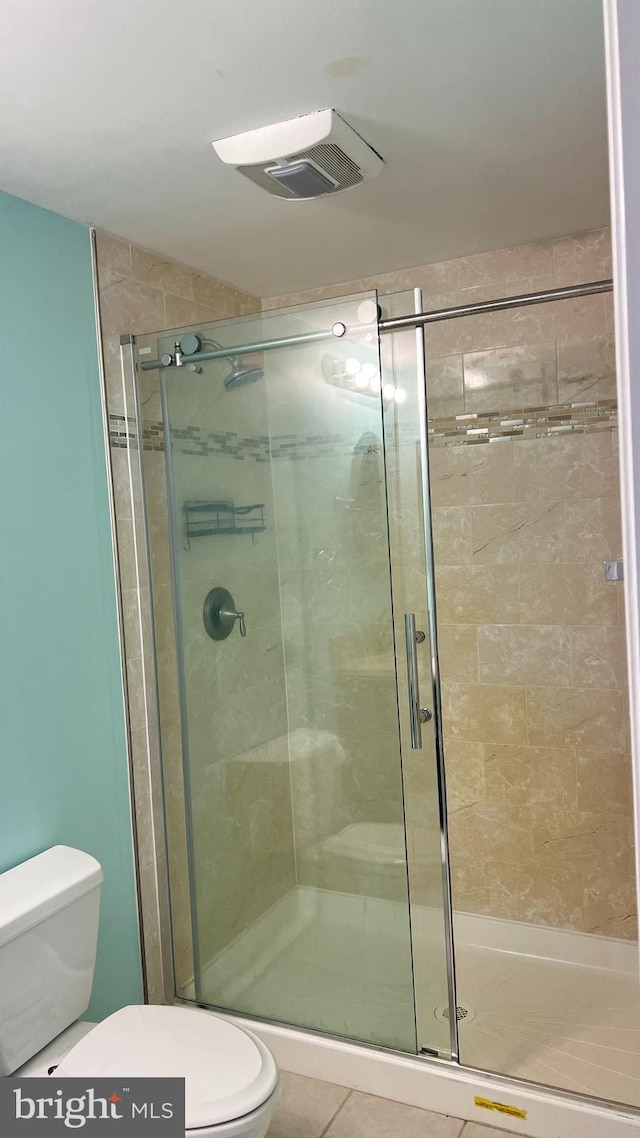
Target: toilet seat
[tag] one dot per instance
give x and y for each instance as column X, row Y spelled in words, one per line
column 228, row 1071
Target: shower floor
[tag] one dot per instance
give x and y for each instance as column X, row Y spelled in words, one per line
column 571, row 1026
column 544, row 1005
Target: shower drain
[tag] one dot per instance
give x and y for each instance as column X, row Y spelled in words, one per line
column 463, row 1012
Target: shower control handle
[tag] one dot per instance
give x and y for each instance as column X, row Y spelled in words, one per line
column 220, row 614
column 233, row 614
column 417, row 714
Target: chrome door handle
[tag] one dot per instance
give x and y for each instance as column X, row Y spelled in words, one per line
column 417, row 715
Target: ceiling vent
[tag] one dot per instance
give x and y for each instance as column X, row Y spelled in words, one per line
column 302, row 158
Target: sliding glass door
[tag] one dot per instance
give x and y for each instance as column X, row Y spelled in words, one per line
column 303, row 686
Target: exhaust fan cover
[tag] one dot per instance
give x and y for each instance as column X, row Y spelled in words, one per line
column 302, row 158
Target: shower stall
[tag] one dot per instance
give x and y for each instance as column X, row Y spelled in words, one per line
column 389, row 649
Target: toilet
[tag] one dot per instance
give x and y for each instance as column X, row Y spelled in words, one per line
column 49, row 909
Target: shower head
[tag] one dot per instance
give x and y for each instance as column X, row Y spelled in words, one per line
column 240, row 374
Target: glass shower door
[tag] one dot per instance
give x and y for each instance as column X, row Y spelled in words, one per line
column 288, row 668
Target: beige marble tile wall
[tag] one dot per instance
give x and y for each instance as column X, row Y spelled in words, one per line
column 532, row 639
column 533, row 665
column 504, row 272
column 140, row 292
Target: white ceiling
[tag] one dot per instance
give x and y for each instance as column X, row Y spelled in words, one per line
column 490, row 115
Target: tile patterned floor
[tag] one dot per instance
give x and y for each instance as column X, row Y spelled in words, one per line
column 310, row 1108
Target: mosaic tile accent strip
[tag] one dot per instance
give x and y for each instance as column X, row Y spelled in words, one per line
column 458, row 430
column 123, row 433
column 531, row 423
column 296, row 447
column 199, row 442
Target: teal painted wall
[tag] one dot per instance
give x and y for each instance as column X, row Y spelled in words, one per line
column 63, row 768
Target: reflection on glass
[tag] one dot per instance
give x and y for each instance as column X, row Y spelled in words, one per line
column 290, row 734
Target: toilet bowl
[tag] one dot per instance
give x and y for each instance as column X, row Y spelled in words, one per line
column 231, row 1079
column 48, row 933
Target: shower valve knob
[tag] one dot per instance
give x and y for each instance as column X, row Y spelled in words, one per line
column 221, row 615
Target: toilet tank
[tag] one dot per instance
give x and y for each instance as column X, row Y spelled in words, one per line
column 49, row 909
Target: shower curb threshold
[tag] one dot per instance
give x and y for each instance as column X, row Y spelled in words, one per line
column 443, row 1088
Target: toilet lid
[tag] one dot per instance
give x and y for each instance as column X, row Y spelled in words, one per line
column 228, row 1072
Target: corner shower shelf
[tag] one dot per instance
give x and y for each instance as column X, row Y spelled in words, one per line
column 207, row 519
